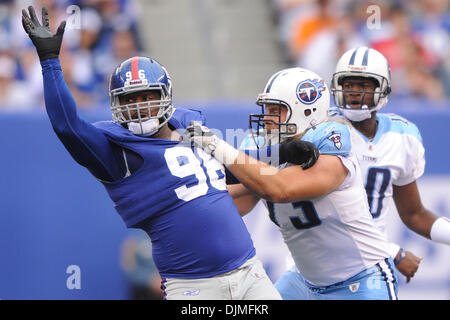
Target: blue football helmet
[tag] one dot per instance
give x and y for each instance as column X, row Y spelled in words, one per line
column 139, row 74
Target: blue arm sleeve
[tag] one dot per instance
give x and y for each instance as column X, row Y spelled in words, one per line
column 86, row 144
column 182, row 117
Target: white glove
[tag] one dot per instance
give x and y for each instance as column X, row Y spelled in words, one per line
column 203, row 138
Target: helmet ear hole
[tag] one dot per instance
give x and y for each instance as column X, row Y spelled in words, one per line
column 388, row 90
column 307, row 112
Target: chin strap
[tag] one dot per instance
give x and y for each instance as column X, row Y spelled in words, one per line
column 357, row 115
column 148, row 127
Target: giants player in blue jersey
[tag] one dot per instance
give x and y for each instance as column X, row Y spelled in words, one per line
column 174, row 192
column 321, row 212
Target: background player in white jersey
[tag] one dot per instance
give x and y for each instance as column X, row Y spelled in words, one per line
column 322, row 212
column 389, row 149
column 390, row 152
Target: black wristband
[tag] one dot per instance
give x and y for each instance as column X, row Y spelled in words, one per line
column 47, row 48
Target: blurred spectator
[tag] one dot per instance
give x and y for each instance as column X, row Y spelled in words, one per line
column 13, row 93
column 107, row 33
column 423, row 84
column 116, row 14
column 325, row 48
column 409, row 59
column 413, row 35
column 307, row 28
column 84, row 98
column 320, row 34
column 137, row 263
column 365, row 13
column 432, row 23
column 286, row 14
column 395, row 47
column 83, row 78
column 123, row 46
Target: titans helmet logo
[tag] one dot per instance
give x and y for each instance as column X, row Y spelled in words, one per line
column 309, row 91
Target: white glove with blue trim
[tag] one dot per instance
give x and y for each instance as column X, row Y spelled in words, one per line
column 204, row 139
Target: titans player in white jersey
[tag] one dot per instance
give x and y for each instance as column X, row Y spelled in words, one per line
column 389, row 149
column 390, row 152
column 158, row 183
column 322, row 212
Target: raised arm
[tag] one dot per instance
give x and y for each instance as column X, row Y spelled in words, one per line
column 87, row 144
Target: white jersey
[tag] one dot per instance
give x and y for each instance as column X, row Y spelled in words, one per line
column 395, row 156
column 333, row 237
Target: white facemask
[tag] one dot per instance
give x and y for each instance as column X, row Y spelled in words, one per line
column 356, row 115
column 148, row 127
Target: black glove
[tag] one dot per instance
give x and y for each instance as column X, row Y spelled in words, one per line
column 47, row 45
column 299, row 152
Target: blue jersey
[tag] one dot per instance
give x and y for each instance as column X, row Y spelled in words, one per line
column 175, row 193
column 330, row 138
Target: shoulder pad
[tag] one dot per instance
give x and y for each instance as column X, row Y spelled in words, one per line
column 401, row 125
column 330, row 138
column 182, row 117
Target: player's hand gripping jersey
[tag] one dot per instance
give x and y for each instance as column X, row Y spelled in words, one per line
column 332, row 237
column 175, row 192
column 395, row 156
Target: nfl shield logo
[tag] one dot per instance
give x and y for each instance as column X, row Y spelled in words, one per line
column 354, row 287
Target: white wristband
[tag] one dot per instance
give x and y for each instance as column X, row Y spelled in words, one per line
column 225, row 153
column 440, row 230
column 393, row 249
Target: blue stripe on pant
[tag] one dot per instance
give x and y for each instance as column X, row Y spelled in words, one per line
column 376, row 283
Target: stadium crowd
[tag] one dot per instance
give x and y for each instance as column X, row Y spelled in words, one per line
column 413, row 35
column 99, row 34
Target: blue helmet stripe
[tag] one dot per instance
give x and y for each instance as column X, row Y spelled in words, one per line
column 352, row 58
column 271, row 82
column 366, row 57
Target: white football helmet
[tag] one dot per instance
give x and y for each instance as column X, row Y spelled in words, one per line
column 302, row 92
column 367, row 63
